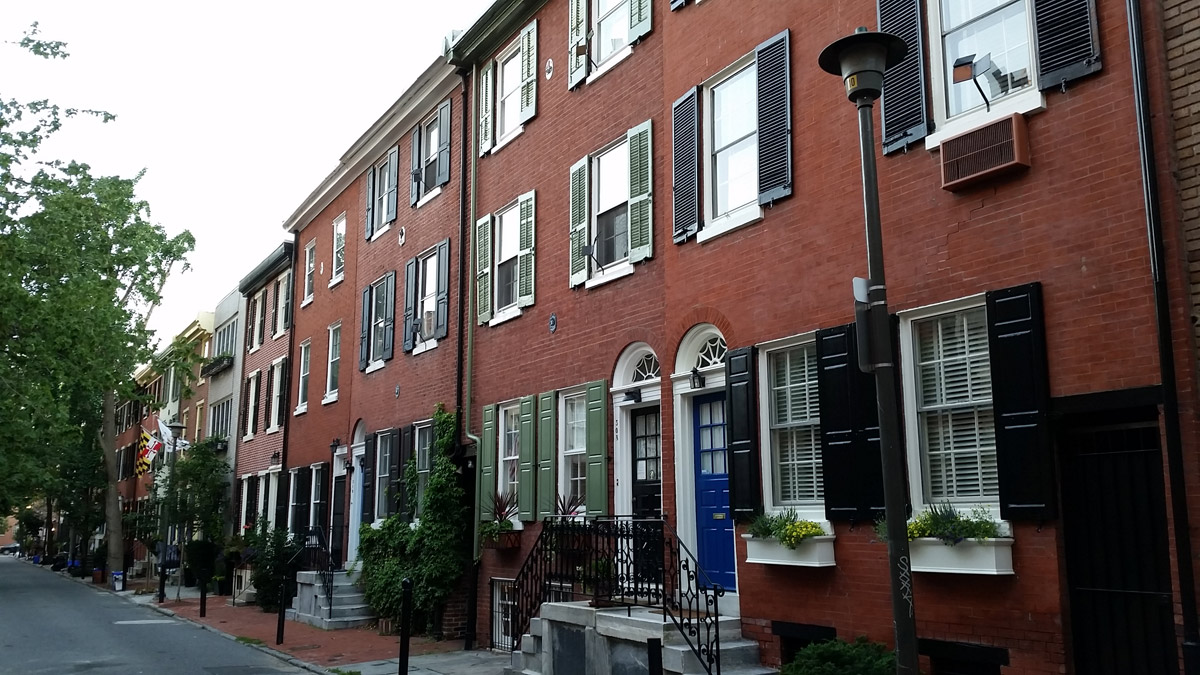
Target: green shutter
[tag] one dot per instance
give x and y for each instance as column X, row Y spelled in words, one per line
column 486, row 81
column 483, row 268
column 579, row 222
column 639, row 19
column 641, row 186
column 527, row 462
column 597, row 448
column 577, row 30
column 547, row 457
column 529, row 72
column 487, row 463
column 525, row 277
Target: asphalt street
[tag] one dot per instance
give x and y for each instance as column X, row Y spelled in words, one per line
column 51, row 625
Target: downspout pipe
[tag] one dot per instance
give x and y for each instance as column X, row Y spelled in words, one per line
column 282, row 507
column 1166, row 353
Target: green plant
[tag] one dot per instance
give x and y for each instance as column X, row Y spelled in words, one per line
column 504, row 507
column 491, row 530
column 248, row 640
column 786, row 526
column 861, row 657
column 943, row 521
column 274, row 563
column 339, row 671
column 568, row 505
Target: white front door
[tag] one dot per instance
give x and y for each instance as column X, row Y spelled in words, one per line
column 356, row 486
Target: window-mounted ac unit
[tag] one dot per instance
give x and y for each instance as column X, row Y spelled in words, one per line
column 427, row 321
column 993, row 149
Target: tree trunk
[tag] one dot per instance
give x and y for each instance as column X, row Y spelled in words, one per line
column 113, row 533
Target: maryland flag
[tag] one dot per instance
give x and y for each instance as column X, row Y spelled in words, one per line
column 148, row 448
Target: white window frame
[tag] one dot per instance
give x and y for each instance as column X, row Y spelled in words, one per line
column 281, row 300
column 429, row 156
column 913, row 436
column 339, row 244
column 503, row 432
column 379, row 205
column 1026, row 102
column 293, row 475
column 333, row 362
column 620, row 267
column 500, row 314
column 255, row 379
column 513, row 51
column 276, row 395
column 314, row 492
column 310, row 272
column 602, row 65
column 715, row 226
column 226, row 340
column 302, row 380
column 812, row 509
column 375, row 360
column 219, row 416
column 565, row 455
column 383, row 463
column 424, row 296
column 423, row 455
column 259, row 318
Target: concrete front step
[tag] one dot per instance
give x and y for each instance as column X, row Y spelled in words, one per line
column 734, row 654
column 336, row 623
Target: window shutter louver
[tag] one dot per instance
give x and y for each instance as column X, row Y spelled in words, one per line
column 275, row 307
column 393, row 176
column 529, row 72
column 267, row 393
column 527, row 461
column 287, row 301
column 597, row 448
column 1021, row 400
column 370, row 210
column 487, row 463
column 324, row 487
column 685, row 165
column 405, row 453
column 547, row 456
column 745, row 494
column 579, row 222
column 389, row 316
column 905, row 118
column 285, row 378
column 303, row 500
column 641, row 186
column 368, row 491
column 394, row 472
column 441, row 324
column 282, row 501
column 410, row 302
column 486, row 84
column 443, row 150
column 1068, row 45
column 365, row 330
column 252, row 499
column 483, row 268
column 639, row 19
column 245, row 404
column 773, row 59
column 525, row 260
column 415, row 174
column 577, row 30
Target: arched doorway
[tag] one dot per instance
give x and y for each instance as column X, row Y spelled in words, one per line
column 637, row 438
column 357, row 449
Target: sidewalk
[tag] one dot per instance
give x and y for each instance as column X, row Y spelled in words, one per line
column 354, row 649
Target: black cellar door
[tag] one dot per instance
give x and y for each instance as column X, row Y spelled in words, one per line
column 647, row 464
column 336, row 549
column 1115, row 529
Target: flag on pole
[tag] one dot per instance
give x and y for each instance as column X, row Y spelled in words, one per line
column 148, row 448
column 164, row 432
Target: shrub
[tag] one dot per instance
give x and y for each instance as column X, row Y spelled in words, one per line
column 274, row 564
column 943, row 521
column 861, row 657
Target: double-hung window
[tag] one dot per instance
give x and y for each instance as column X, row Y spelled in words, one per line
column 427, row 298
column 794, row 422
column 259, row 317
column 281, row 316
column 425, row 450
column 429, row 154
column 378, row 322
column 339, row 249
column 508, row 91
column 302, row 387
column 379, row 307
column 733, row 154
column 430, row 165
column 611, row 28
column 573, row 456
column 599, row 33
column 504, row 259
column 226, row 338
column 427, row 290
column 952, row 387
column 507, row 247
column 310, row 270
column 383, row 464
column 277, row 388
column 333, row 360
column 381, row 194
column 998, row 29
column 510, row 449
column 250, row 402
column 219, row 417
column 610, row 208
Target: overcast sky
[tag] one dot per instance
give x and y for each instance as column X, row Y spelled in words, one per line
column 236, row 110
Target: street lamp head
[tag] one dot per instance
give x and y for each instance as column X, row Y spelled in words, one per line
column 861, row 59
column 175, row 428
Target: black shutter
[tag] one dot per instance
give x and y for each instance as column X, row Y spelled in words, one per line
column 252, row 499
column 745, row 496
column 393, row 176
column 365, row 331
column 245, row 404
column 850, row 455
column 773, row 59
column 405, row 455
column 685, row 165
column 441, row 324
column 389, row 315
column 443, row 151
column 274, row 308
column 1068, row 45
column 410, row 302
column 415, row 175
column 902, row 107
column 368, row 474
column 324, row 488
column 1020, row 400
column 282, row 500
column 370, row 222
column 303, row 499
column 249, row 324
column 285, row 376
column 393, row 439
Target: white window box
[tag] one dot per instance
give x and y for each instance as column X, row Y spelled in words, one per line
column 331, row 397
column 969, row 556
column 812, row 552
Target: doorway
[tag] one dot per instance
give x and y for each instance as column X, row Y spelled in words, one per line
column 714, row 520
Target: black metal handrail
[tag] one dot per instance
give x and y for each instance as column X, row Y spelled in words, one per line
column 316, row 557
column 692, row 601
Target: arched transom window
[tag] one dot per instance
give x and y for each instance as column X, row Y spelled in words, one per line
column 712, row 353
column 646, row 369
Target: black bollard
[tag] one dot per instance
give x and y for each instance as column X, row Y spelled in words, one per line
column 282, row 606
column 405, row 623
column 654, row 652
column 203, row 599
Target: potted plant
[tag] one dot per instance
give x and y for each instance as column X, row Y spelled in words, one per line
column 945, row 540
column 498, row 533
column 786, row 539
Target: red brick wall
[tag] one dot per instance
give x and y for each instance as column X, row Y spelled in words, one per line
column 254, row 455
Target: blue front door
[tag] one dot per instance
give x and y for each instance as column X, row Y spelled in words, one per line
column 714, row 521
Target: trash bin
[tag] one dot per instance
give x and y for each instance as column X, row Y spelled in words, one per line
column 118, row 581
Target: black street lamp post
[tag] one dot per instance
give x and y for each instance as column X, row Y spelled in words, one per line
column 861, row 59
column 176, row 429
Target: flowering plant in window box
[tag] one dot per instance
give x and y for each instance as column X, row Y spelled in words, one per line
column 498, row 533
column 945, row 540
column 786, row 539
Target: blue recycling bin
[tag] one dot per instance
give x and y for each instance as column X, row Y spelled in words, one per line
column 118, row 581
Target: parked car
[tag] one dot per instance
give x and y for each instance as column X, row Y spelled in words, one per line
column 10, row 549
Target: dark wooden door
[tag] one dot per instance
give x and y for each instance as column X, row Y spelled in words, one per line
column 647, row 463
column 336, row 547
column 1115, row 530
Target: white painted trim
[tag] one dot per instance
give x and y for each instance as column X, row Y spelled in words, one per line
column 609, row 63
column 505, row 140
column 622, row 269
column 380, row 232
column 337, row 280
column 428, row 196
column 331, row 397
column 300, row 409
column 740, row 217
column 422, row 347
column 374, row 366
column 306, row 302
column 507, row 314
column 1026, row 103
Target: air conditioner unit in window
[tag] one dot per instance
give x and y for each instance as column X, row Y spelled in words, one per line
column 996, row 148
column 427, row 321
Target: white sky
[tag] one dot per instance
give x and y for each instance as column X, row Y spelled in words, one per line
column 236, row 110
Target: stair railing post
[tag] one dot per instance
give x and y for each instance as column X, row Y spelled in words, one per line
column 654, row 655
column 405, row 623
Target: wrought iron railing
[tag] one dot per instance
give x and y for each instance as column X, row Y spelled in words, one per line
column 620, row 562
column 316, row 557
